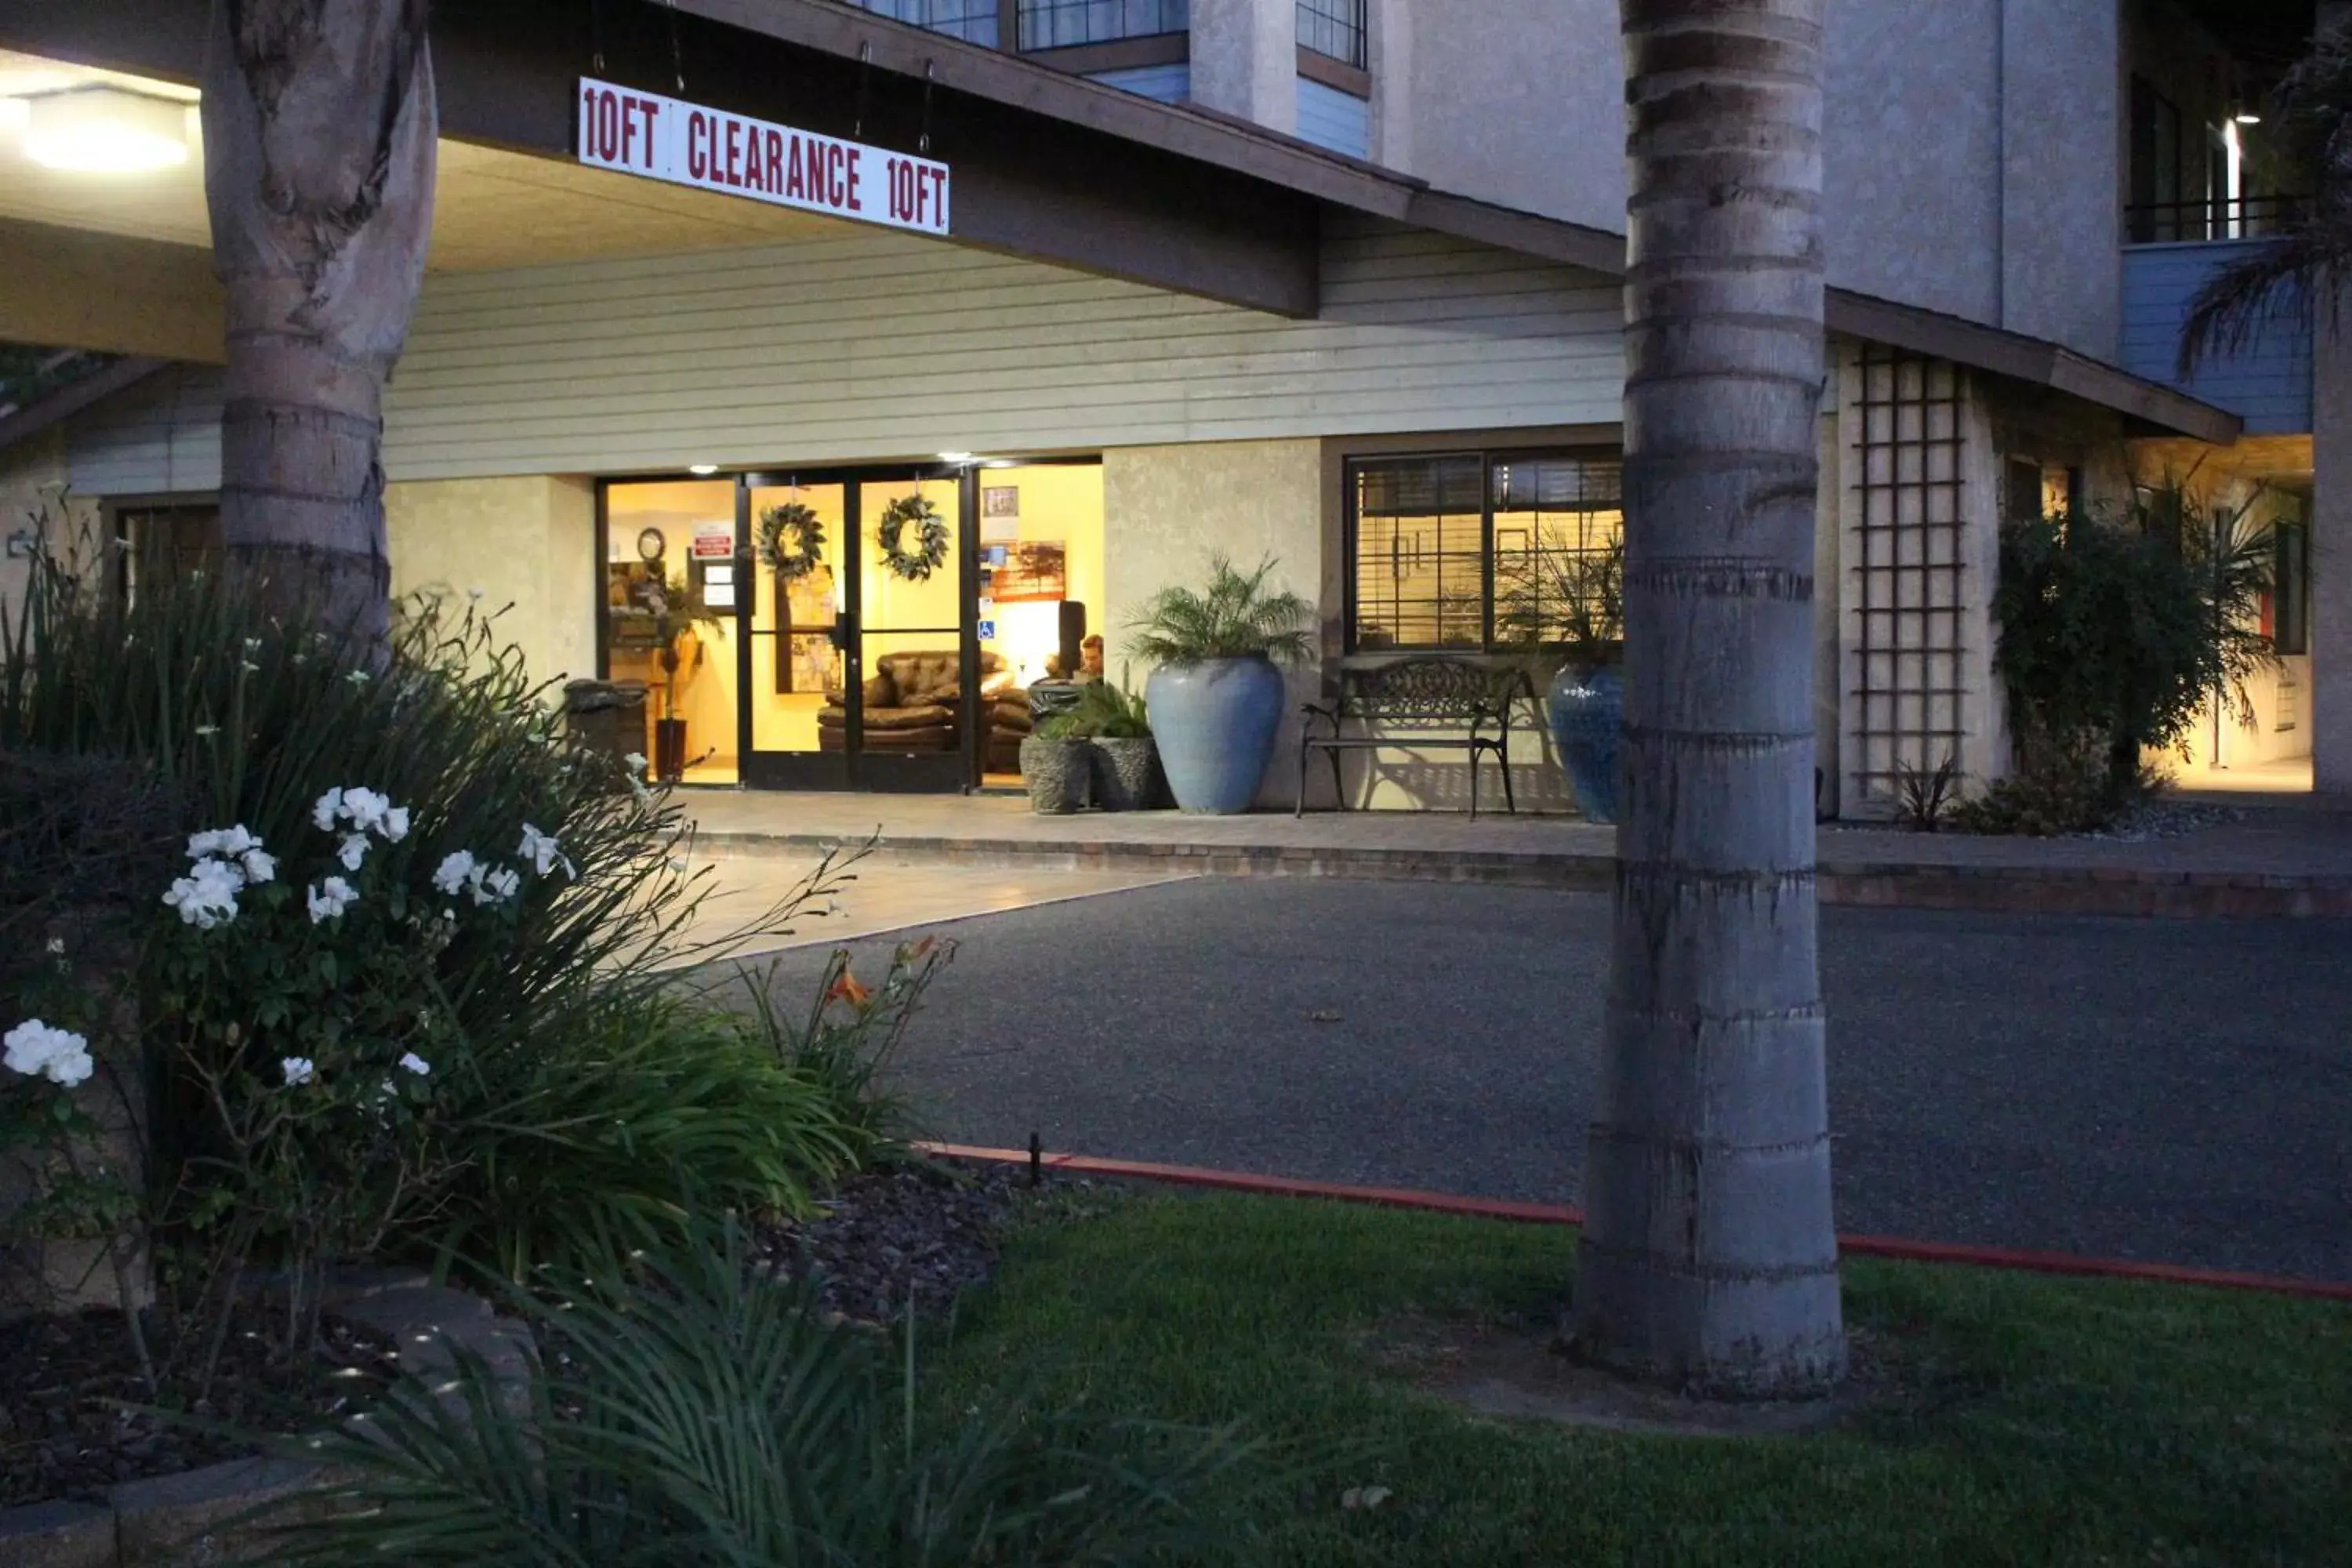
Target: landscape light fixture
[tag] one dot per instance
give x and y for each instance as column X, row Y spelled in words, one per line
column 105, row 130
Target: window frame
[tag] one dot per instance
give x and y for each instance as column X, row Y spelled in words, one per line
column 1359, row 26
column 1489, row 459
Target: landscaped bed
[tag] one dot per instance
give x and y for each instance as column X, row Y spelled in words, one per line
column 1996, row 1416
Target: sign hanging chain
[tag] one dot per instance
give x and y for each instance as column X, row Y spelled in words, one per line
column 930, row 74
column 596, row 34
column 865, row 80
column 676, row 58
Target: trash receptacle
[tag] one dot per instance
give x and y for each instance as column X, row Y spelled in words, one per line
column 607, row 716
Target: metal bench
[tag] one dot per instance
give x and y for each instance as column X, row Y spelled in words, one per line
column 1422, row 702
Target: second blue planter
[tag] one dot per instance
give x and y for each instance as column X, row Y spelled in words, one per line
column 1587, row 710
column 1215, row 722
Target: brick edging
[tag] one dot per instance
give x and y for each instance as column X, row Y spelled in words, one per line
column 201, row 1514
column 2014, row 890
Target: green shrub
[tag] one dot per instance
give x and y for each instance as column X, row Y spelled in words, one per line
column 413, row 987
column 1103, row 711
column 844, row 1044
column 705, row 1415
column 2114, row 635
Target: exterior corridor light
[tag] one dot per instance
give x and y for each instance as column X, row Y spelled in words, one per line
column 701, row 469
column 105, row 130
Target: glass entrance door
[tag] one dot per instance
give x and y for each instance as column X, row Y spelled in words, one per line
column 859, row 659
column 912, row 654
column 796, row 719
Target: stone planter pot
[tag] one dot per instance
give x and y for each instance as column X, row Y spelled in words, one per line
column 1125, row 772
column 1215, row 722
column 1586, row 708
column 1059, row 775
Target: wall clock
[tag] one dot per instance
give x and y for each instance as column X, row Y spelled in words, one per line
column 650, row 544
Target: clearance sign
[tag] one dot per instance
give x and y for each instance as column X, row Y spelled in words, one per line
column 687, row 144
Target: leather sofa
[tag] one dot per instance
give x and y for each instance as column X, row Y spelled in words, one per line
column 912, row 700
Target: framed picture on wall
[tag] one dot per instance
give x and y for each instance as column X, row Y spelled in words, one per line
column 1035, row 572
column 1000, row 514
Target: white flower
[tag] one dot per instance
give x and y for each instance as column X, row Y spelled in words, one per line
column 366, row 808
column 416, row 1064
column 261, row 866
column 297, row 1070
column 457, row 869
column 206, row 896
column 475, row 593
column 57, row 944
column 357, row 676
column 541, row 850
column 58, row 1055
column 354, row 851
column 207, row 729
column 329, row 899
column 635, row 762
column 497, row 886
column 330, row 806
column 395, row 825
column 249, row 667
column 253, row 644
column 231, row 842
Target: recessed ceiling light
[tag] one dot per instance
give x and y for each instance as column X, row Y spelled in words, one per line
column 955, row 457
column 105, row 130
column 703, row 468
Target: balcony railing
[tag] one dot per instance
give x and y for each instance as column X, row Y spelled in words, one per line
column 2209, row 219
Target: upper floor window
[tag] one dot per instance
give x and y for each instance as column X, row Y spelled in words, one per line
column 1465, row 550
column 1063, row 24
column 1334, row 27
column 974, row 21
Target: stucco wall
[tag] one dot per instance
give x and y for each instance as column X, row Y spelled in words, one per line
column 1925, row 200
column 1166, row 509
column 1246, row 59
column 528, row 544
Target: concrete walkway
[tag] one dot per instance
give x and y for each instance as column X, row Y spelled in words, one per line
column 2275, row 861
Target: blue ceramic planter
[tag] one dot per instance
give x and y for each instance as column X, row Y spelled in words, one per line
column 1587, row 710
column 1215, row 722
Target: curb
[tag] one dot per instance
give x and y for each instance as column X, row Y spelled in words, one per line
column 2013, row 889
column 1898, row 1248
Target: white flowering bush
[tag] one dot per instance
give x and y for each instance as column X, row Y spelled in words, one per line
column 416, row 954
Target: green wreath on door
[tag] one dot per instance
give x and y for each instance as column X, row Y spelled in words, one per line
column 930, row 549
column 792, row 541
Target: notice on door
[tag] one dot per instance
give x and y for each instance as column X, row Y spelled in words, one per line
column 688, row 144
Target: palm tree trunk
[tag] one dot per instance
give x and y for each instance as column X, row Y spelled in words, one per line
column 1708, row 1257
column 320, row 125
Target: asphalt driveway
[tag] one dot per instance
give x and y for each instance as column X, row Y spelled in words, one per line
column 2155, row 1090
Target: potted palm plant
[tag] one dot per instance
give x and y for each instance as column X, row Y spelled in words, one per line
column 674, row 613
column 1217, row 698
column 1570, row 603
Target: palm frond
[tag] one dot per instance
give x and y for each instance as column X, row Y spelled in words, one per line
column 1237, row 615
column 2274, row 284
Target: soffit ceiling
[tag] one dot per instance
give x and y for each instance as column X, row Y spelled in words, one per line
column 491, row 208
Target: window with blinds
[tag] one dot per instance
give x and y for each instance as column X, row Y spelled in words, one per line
column 1466, row 550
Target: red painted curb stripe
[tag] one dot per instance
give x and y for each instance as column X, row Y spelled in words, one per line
column 2062, row 1263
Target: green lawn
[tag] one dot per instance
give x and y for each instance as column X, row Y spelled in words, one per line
column 2034, row 1419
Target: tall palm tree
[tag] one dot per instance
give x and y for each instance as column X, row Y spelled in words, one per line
column 320, row 124
column 1708, row 1259
column 2309, row 262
